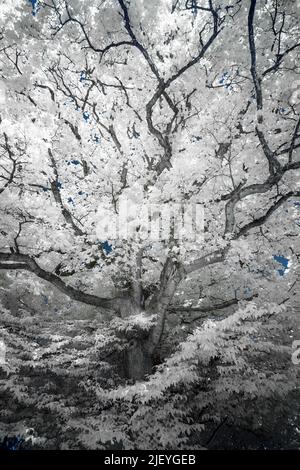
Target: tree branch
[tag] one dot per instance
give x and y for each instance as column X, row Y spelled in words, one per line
column 9, row 179
column 216, row 256
column 25, row 262
column 255, row 77
column 57, row 196
column 207, row 310
column 261, row 220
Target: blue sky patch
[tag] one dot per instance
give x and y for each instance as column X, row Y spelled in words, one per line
column 284, row 263
column 225, row 80
column 196, row 138
column 107, row 247
column 82, row 77
column 86, row 116
column 96, row 139
column 74, row 162
column 35, row 6
column 45, row 299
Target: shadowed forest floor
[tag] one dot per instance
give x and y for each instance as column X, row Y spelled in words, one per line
column 55, row 372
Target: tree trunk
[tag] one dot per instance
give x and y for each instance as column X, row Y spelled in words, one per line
column 138, row 361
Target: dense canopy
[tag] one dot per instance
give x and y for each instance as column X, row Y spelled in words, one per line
column 171, row 106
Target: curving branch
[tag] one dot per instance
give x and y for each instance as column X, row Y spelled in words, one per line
column 276, row 170
column 13, row 261
column 261, row 220
column 259, row 188
column 274, row 165
column 9, row 175
column 72, row 19
column 255, row 77
column 214, row 257
column 163, row 138
column 279, row 60
column 278, row 19
column 57, row 196
column 161, row 91
column 206, row 311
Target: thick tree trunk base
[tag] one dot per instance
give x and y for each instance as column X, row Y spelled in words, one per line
column 138, row 362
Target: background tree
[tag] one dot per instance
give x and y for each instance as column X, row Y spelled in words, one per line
column 188, row 102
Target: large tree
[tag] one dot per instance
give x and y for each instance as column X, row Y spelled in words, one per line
column 193, row 102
